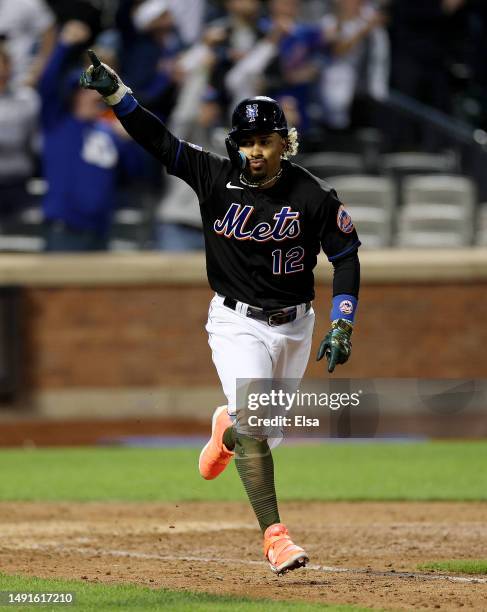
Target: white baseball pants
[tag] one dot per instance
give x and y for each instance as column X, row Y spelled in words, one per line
column 247, row 348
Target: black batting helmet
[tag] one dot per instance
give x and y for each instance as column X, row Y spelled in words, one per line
column 258, row 114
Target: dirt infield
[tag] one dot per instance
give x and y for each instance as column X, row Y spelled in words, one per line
column 360, row 553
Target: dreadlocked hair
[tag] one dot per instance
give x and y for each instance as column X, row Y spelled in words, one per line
column 292, row 144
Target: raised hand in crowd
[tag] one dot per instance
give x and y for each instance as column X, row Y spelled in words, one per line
column 75, row 32
column 281, row 26
column 343, row 43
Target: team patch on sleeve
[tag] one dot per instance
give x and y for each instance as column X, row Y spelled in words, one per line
column 346, row 307
column 344, row 220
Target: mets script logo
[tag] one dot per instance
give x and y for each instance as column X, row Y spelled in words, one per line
column 233, row 225
column 252, row 111
column 344, row 221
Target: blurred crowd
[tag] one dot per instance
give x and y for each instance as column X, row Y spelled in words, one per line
column 189, row 62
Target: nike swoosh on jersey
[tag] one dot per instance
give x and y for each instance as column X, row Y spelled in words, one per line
column 230, row 186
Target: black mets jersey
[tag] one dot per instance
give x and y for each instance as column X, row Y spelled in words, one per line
column 261, row 244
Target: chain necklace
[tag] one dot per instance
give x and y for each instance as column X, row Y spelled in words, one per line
column 247, row 183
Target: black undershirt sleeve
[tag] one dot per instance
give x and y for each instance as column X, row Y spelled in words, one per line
column 151, row 133
column 189, row 162
column 346, row 275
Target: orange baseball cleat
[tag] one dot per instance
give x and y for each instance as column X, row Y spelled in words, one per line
column 283, row 555
column 215, row 457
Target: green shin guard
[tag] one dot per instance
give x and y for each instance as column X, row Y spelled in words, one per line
column 255, row 467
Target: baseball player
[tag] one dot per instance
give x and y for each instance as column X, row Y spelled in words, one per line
column 264, row 221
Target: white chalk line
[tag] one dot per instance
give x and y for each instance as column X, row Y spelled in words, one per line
column 311, row 567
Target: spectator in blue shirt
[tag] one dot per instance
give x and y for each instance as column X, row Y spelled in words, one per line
column 285, row 64
column 81, row 155
column 301, row 50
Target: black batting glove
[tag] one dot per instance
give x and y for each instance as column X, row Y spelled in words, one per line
column 104, row 80
column 337, row 345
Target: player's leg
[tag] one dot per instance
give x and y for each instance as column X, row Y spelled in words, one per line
column 255, row 466
column 291, row 345
column 236, row 353
column 239, row 351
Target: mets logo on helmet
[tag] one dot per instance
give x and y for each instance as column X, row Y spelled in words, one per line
column 252, row 111
column 344, row 220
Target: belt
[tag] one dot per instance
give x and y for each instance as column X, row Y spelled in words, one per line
column 273, row 318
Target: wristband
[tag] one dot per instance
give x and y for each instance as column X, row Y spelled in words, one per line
column 343, row 307
column 126, row 105
column 117, row 95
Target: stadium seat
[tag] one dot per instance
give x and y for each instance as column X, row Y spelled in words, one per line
column 400, row 165
column 418, row 163
column 438, row 211
column 23, row 231
column 331, row 163
column 371, row 203
column 127, row 230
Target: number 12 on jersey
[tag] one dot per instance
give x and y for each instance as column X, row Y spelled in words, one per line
column 291, row 260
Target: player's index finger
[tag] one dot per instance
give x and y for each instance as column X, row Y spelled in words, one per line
column 94, row 58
